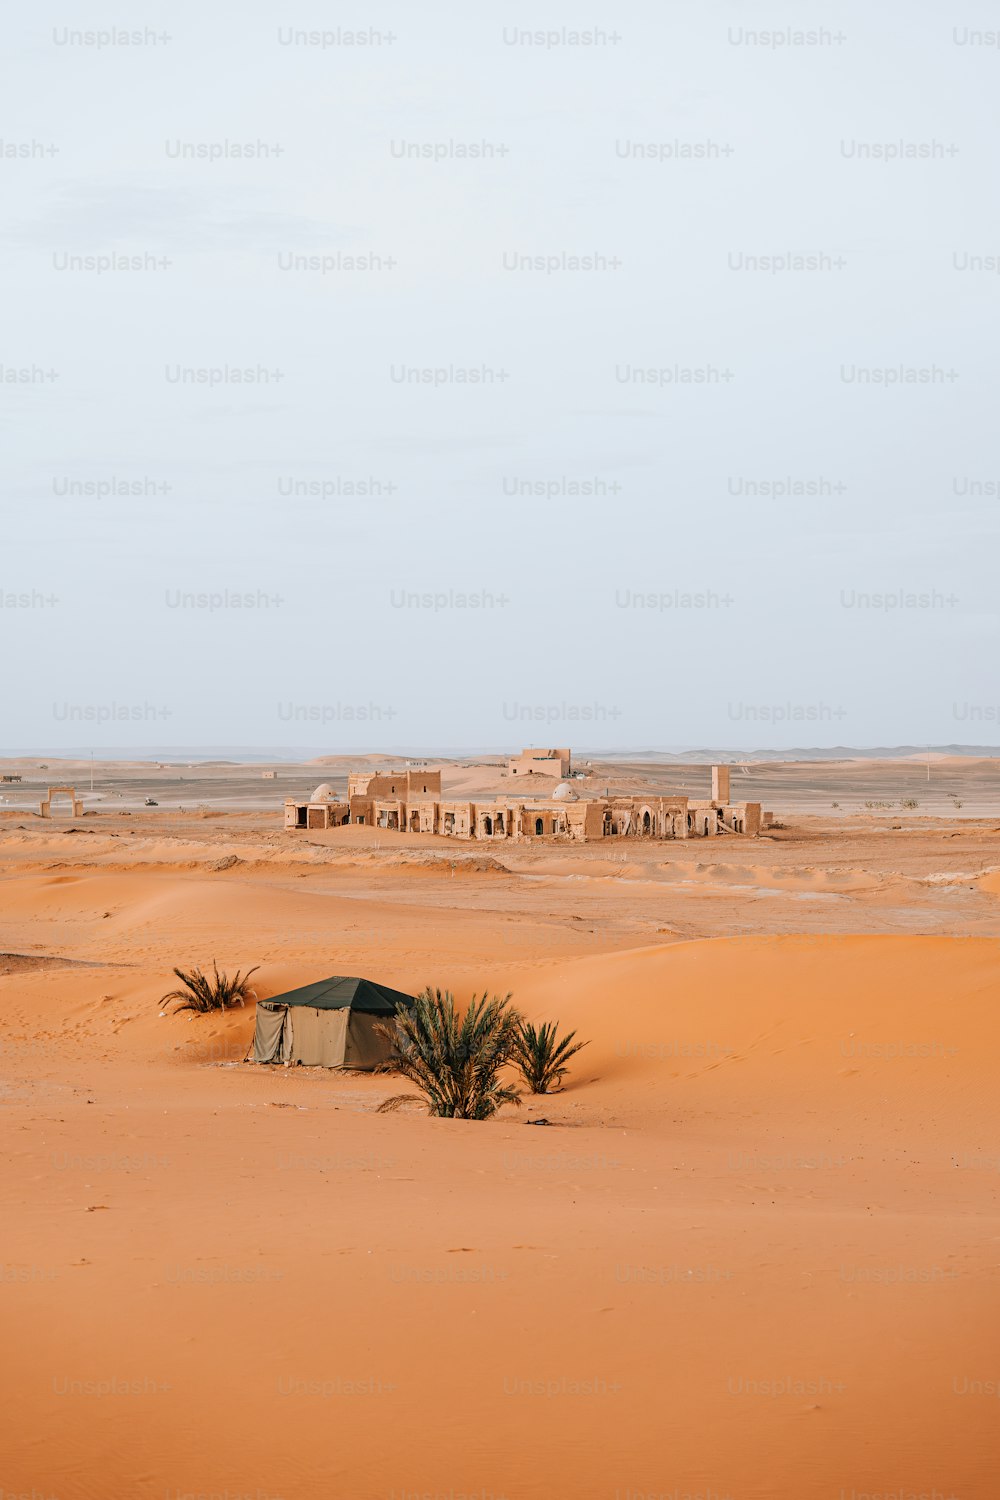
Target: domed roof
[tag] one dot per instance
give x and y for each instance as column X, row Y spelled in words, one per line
column 565, row 792
column 323, row 793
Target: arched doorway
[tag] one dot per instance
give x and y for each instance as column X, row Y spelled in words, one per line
column 647, row 824
column 539, row 826
column 76, row 804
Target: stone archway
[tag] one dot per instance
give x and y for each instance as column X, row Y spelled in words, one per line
column 45, row 808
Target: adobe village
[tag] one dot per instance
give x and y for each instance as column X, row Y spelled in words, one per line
column 411, row 801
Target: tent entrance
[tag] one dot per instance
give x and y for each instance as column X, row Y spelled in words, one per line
column 269, row 1033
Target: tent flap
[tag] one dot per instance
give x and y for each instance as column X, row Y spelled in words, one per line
column 268, row 1032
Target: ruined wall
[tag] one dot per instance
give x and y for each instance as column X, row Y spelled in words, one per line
column 423, row 783
column 455, row 819
column 577, row 820
column 422, row 815
column 495, row 820
column 386, row 784
column 703, row 820
column 361, row 810
column 753, row 818
column 542, row 822
column 390, row 814
column 315, row 814
column 593, row 819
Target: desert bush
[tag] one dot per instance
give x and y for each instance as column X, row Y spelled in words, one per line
column 201, row 994
column 540, row 1059
column 455, row 1064
column 909, row 802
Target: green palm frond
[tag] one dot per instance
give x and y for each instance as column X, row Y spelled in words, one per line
column 202, row 994
column 455, row 1064
column 540, row 1059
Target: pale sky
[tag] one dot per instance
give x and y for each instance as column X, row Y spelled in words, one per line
column 643, row 576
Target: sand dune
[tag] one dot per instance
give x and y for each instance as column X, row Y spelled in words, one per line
column 753, row 1253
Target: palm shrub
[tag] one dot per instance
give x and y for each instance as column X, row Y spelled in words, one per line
column 455, row 1064
column 199, row 993
column 540, row 1059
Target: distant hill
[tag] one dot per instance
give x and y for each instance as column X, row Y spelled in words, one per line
column 223, row 757
column 714, row 756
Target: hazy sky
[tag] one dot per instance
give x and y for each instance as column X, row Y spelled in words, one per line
column 675, row 349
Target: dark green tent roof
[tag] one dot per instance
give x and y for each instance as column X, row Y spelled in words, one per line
column 342, row 993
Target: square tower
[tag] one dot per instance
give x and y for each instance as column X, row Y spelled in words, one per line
column 720, row 784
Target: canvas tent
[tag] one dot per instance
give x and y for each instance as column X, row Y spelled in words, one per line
column 329, row 1024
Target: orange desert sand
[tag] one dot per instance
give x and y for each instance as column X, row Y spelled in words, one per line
column 755, row 1253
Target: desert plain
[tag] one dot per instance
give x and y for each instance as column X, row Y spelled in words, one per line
column 753, row 1251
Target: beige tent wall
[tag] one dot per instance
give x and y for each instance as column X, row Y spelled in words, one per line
column 365, row 1048
column 318, row 1038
